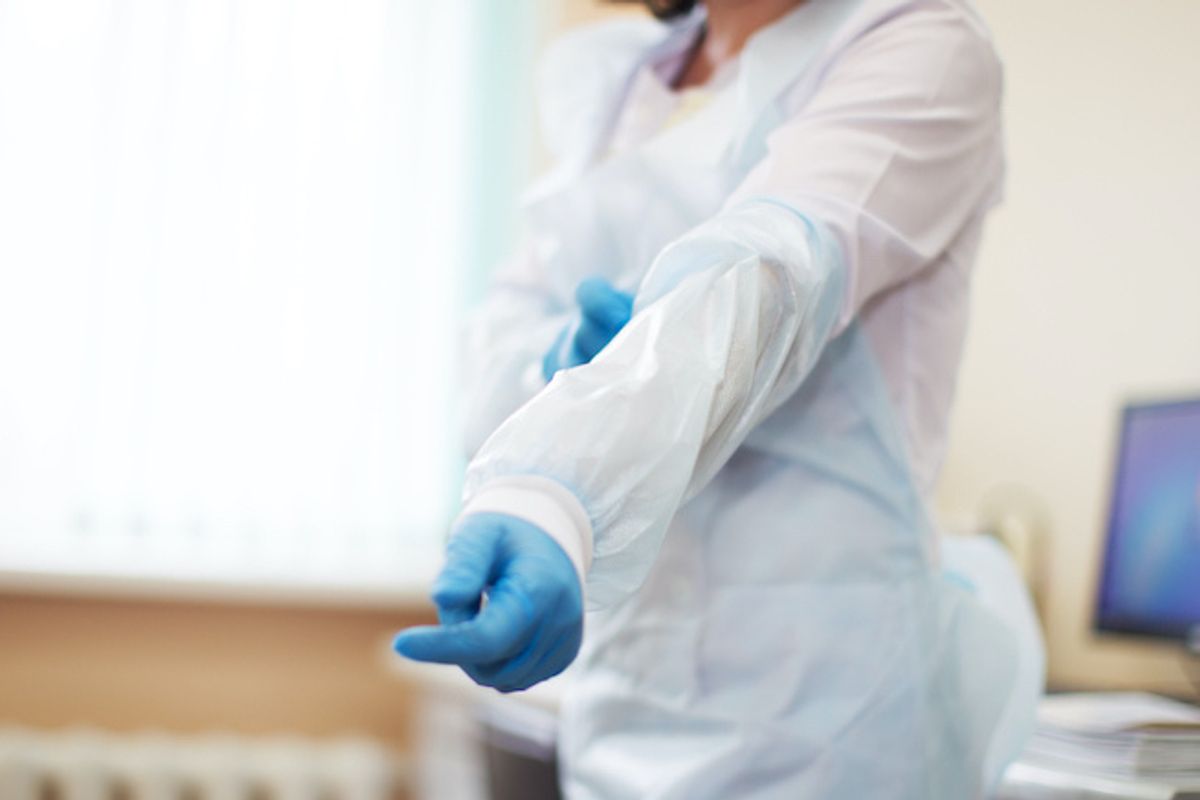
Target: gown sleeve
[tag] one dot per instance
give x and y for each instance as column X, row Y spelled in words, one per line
column 867, row 185
column 525, row 309
column 505, row 340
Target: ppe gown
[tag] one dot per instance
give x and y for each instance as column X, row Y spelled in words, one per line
column 748, row 461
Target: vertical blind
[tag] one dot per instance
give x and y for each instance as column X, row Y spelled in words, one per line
column 229, row 243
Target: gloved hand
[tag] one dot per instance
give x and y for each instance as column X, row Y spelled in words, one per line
column 603, row 311
column 531, row 624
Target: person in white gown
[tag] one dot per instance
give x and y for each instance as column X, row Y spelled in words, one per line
column 708, row 400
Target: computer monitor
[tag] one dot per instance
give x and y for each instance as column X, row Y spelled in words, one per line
column 1150, row 583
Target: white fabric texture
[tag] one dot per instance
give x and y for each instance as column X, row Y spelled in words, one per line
column 728, row 321
column 754, row 449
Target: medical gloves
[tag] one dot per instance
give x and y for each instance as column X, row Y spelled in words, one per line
column 509, row 603
column 603, row 311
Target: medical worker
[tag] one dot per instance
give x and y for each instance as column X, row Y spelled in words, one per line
column 708, row 400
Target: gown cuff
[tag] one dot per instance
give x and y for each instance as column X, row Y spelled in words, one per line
column 542, row 502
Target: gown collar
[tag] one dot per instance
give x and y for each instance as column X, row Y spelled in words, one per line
column 771, row 61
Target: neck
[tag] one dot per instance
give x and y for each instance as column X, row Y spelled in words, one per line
column 731, row 23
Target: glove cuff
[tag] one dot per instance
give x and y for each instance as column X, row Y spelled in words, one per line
column 544, row 503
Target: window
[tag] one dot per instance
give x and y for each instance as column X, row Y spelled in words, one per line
column 230, row 240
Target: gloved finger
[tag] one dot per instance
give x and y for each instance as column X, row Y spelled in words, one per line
column 456, row 614
column 502, row 629
column 472, row 557
column 422, row 642
column 554, row 646
column 553, row 662
column 516, row 676
column 555, row 655
column 590, row 340
column 603, row 303
column 502, row 674
column 515, row 672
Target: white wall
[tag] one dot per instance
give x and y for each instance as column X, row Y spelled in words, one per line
column 1088, row 291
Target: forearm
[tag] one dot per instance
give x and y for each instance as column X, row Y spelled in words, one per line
column 730, row 319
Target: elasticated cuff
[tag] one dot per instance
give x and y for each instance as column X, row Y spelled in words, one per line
column 542, row 502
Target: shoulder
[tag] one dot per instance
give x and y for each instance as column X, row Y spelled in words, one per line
column 942, row 48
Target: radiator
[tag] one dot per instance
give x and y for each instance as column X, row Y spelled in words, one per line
column 93, row 765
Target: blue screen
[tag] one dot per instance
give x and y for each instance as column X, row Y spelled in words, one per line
column 1151, row 580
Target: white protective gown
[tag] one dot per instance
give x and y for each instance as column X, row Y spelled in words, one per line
column 747, row 463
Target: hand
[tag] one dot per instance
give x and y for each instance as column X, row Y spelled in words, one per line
column 603, row 311
column 531, row 623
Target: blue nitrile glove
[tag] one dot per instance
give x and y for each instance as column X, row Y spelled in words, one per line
column 531, row 624
column 603, row 311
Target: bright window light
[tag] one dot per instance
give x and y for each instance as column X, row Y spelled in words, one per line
column 229, row 249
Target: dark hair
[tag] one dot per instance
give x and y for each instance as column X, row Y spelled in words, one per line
column 669, row 9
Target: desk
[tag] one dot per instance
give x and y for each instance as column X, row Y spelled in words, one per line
column 462, row 718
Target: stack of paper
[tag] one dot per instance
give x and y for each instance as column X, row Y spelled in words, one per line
column 1123, row 738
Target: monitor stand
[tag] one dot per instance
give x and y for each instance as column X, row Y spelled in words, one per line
column 1191, row 657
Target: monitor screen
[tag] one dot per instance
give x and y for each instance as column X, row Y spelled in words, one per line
column 1151, row 577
